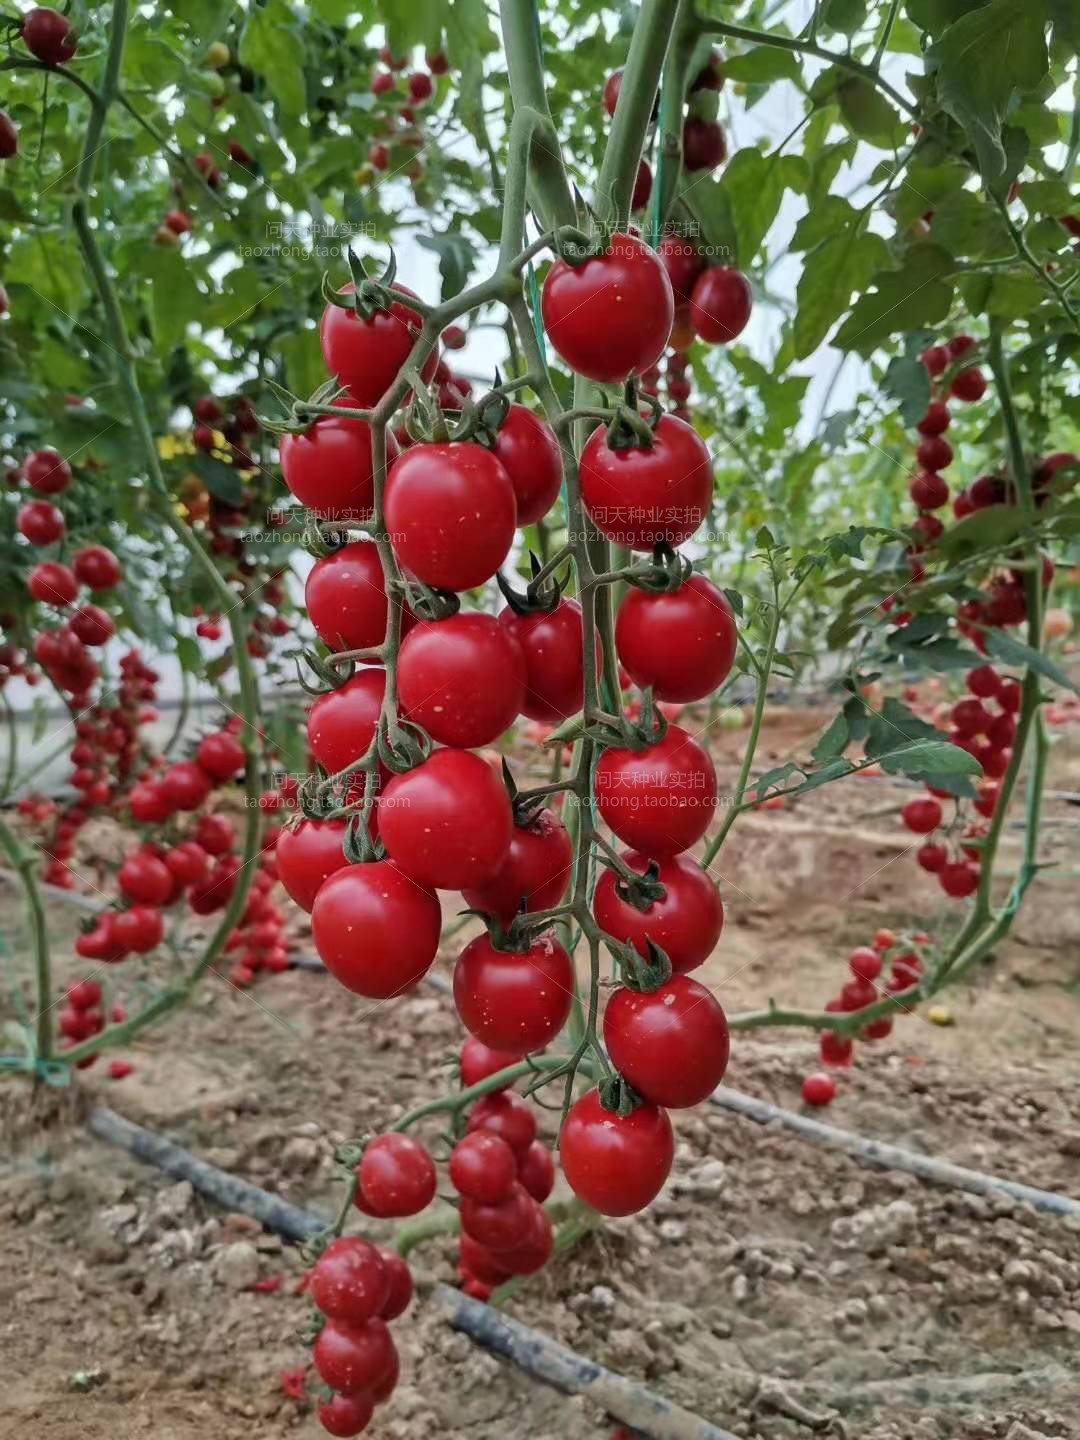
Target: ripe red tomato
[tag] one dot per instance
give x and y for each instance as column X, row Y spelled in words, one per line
column 97, row 567
column 397, row 1301
column 553, row 646
column 40, row 522
column 686, row 924
column 216, row 834
column 514, row 1000
column 936, row 420
column 658, row 800
column 502, row 1225
column 146, row 879
column 346, row 1415
column 185, row 785
column 187, row 862
column 341, row 723
column 683, row 262
column 140, row 929
column 92, row 625
column 968, row 384
column 221, row 755
column 612, row 86
column 536, row 871
column 307, row 855
column 921, row 816
column 483, row 1167
column 346, row 598
column 639, row 497
column 397, row 1177
column 928, row 490
column 9, row 146
column 703, row 143
column 52, row 584
column 376, row 931
column 682, row 643
column 367, row 355
column 958, row 879
column 353, row 1358
column 865, row 963
column 328, row 468
column 148, row 803
column 934, row 453
column 49, row 36
column 528, row 451
column 819, row 1089
column 535, row 1250
column 450, row 512
column 642, row 186
column 480, row 1062
column 462, row 679
column 721, row 303
column 507, row 1115
column 671, row 1045
column 447, row 824
column 609, row 317
column 536, row 1171
column 47, row 472
column 617, row 1164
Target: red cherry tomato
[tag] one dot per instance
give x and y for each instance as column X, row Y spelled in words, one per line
column 329, row 467
column 145, row 879
column 922, row 816
column 40, row 522
column 187, row 862
column 506, row 1115
column 528, row 451
column 376, row 931
column 353, row 1358
column 510, row 1000
column 536, row 871
column 480, row 1062
column 483, row 1167
column 552, row 644
column 462, row 679
column 346, row 598
column 450, row 512
column 92, row 625
column 640, row 497
column 346, row 1415
column 216, row 834
column 397, row 1177
column 682, row 644
column 221, row 755
column 52, row 584
column 367, row 355
column 47, row 472
column 536, row 1170
column 610, row 316
column 140, row 929
column 672, row 1045
column 399, row 1296
column 686, row 924
column 186, row 785
column 703, row 143
column 502, row 1225
column 617, row 1164
column 341, row 723
column 349, row 1281
column 447, row 824
column 683, row 262
column 308, row 855
column 658, row 800
column 819, row 1089
column 720, row 305
column 97, row 568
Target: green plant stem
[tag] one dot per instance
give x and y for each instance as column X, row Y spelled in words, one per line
column 883, row 38
column 123, row 361
column 548, row 187
column 637, row 94
column 1023, row 250
column 12, row 747
column 672, row 101
column 764, row 669
column 22, row 861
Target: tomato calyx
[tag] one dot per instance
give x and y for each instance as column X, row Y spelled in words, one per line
column 427, row 603
column 640, row 890
column 649, row 729
column 403, row 745
column 637, row 972
column 542, row 594
column 301, row 415
column 331, row 672
column 357, row 845
column 628, row 428
column 367, row 297
column 618, row 1097
column 663, row 574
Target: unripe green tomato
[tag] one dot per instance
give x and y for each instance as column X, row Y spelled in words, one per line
column 731, row 718
column 218, row 55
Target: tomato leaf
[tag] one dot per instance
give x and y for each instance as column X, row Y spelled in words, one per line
column 1015, row 652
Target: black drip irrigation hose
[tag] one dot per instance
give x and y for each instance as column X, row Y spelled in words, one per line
column 892, row 1157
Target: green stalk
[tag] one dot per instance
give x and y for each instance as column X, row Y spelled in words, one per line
column 548, row 186
column 22, row 861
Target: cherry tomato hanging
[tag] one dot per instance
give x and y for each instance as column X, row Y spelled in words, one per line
column 640, row 496
column 682, row 644
column 658, row 800
column 615, row 1163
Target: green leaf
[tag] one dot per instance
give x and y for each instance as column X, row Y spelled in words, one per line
column 272, row 44
column 983, row 60
column 925, row 187
column 189, row 654
column 833, row 271
column 992, row 527
column 834, row 741
column 907, row 380
column 844, row 16
column 966, row 225
column 457, row 257
column 919, row 294
column 1007, row 648
column 868, row 114
column 929, row 757
column 762, row 65
column 754, row 185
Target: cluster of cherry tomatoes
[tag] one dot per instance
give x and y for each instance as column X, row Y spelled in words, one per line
column 400, row 134
column 356, row 1289
column 888, row 968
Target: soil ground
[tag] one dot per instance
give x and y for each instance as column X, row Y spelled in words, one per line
column 768, row 1267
